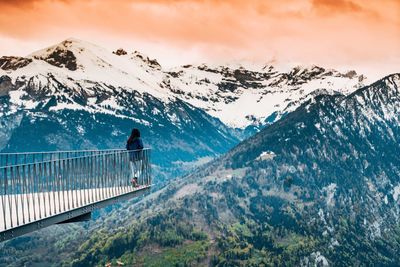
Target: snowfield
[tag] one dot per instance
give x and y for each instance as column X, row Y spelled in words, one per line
column 239, row 96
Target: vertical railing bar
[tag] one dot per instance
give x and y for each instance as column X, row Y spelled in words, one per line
column 119, row 173
column 92, row 177
column 40, row 180
column 45, row 188
column 89, row 175
column 14, row 193
column 18, row 193
column 32, row 185
column 46, row 193
column 112, row 172
column 146, row 167
column 27, row 191
column 11, row 196
column 40, row 183
column 59, row 183
column 23, row 184
column 61, row 176
column 65, row 184
column 54, row 183
column 129, row 173
column 34, row 191
column 83, row 180
column 68, row 181
column 80, row 182
column 100, row 184
column 76, row 202
column 86, row 180
column 55, row 189
column 51, row 190
column 109, row 176
column 5, row 195
column 143, row 168
column 70, row 175
column 105, row 176
column 101, row 161
column 95, row 176
column 123, row 168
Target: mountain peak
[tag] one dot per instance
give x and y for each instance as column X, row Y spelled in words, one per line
column 67, row 53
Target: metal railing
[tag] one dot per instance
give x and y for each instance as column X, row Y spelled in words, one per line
column 7, row 159
column 50, row 183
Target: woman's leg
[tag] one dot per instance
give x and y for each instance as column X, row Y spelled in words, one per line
column 132, row 165
column 133, row 181
column 137, row 170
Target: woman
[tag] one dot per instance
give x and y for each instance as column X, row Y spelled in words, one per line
column 135, row 146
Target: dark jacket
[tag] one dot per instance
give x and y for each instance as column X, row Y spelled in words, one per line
column 136, row 146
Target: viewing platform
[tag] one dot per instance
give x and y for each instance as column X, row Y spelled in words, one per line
column 40, row 189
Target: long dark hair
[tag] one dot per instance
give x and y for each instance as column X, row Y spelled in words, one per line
column 135, row 134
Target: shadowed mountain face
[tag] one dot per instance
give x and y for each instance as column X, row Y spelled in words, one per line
column 319, row 187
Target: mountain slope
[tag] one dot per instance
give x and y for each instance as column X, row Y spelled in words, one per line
column 319, row 187
column 77, row 95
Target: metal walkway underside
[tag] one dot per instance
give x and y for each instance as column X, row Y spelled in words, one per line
column 45, row 188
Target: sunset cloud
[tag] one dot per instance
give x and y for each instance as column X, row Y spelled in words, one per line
column 329, row 32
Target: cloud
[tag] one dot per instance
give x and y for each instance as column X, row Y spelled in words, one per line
column 336, row 6
column 318, row 31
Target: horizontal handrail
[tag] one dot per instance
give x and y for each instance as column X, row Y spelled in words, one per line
column 58, row 151
column 79, row 157
column 7, row 159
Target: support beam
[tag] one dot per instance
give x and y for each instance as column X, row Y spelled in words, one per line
column 82, row 218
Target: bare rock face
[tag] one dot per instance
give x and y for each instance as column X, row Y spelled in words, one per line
column 120, row 52
column 5, row 85
column 13, row 63
column 61, row 58
column 153, row 63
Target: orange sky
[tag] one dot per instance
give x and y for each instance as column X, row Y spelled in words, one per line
column 361, row 34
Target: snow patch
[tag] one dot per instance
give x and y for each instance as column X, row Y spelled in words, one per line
column 266, row 155
column 396, row 192
column 330, row 194
column 320, row 259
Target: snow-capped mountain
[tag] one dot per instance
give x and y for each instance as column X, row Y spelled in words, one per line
column 243, row 97
column 76, row 95
column 239, row 97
